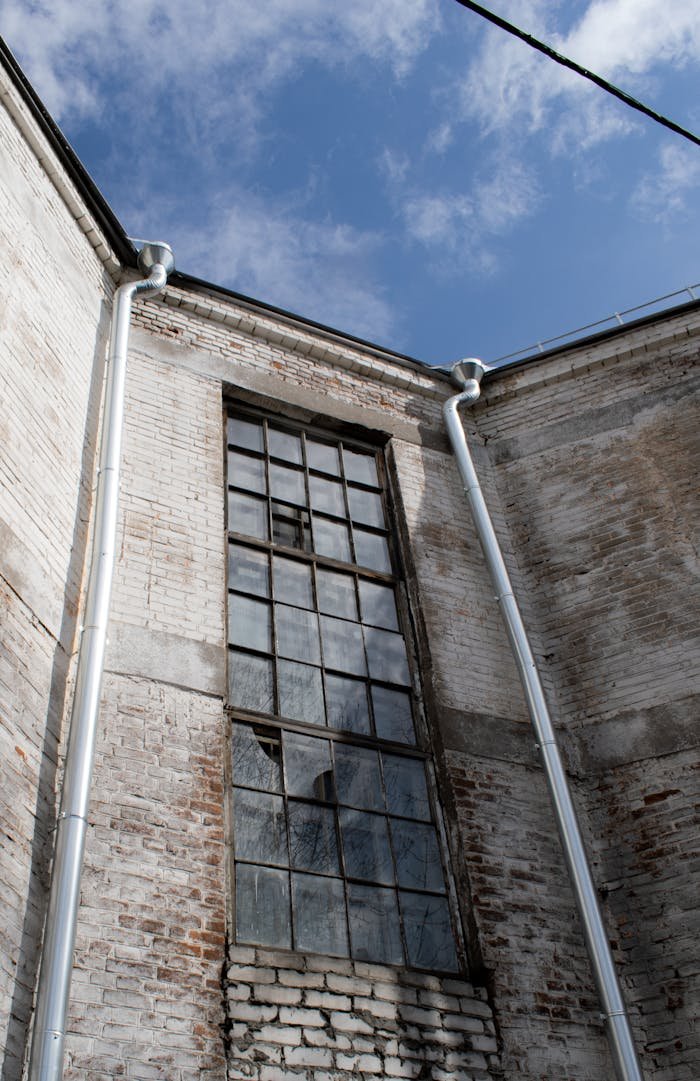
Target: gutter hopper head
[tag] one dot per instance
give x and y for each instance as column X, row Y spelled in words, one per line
column 465, row 370
column 154, row 252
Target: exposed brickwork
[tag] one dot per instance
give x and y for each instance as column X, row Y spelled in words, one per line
column 293, row 1015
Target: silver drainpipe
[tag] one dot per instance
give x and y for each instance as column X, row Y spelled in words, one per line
column 48, row 1036
column 467, row 375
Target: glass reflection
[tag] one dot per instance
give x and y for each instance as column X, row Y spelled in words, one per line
column 308, row 767
column 250, row 682
column 262, row 906
column 336, row 594
column 378, row 605
column 249, row 623
column 287, row 484
column 360, row 467
column 319, row 915
column 406, row 790
column 245, row 433
column 342, row 646
column 357, row 777
column 331, row 539
column 372, row 551
column 393, row 717
column 323, row 457
column 248, row 570
column 417, row 856
column 374, row 924
column 366, row 846
column 366, row 507
column 284, row 445
column 292, row 582
column 300, row 692
column 428, row 930
column 297, row 634
column 386, row 656
column 247, row 515
column 261, row 830
column 327, row 495
column 257, row 758
column 346, row 704
column 312, row 838
column 246, row 472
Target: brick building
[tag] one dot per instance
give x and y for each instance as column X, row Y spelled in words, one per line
column 320, row 841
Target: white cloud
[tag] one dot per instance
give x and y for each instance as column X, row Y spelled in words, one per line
column 663, row 196
column 196, row 48
column 322, row 269
column 512, row 89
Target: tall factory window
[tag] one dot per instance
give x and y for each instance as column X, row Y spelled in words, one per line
column 335, row 843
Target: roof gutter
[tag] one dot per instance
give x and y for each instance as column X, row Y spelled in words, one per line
column 467, row 374
column 53, row 989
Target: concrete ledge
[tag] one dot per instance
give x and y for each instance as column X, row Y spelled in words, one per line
column 166, row 658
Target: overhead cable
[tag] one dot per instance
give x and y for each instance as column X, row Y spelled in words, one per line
column 573, row 66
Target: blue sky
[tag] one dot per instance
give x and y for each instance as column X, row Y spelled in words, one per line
column 399, row 169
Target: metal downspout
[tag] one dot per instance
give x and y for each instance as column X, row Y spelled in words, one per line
column 467, row 374
column 53, row 988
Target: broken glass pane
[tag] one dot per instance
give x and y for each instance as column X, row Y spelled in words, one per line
column 290, row 527
column 250, row 682
column 366, row 846
column 300, row 692
column 308, row 767
column 312, row 838
column 319, row 915
column 262, row 906
column 261, row 831
column 374, row 924
column 257, row 758
column 428, row 930
column 346, row 704
column 357, row 777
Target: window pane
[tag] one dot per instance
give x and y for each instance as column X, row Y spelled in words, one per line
column 374, row 925
column 366, row 846
column 312, row 838
column 245, row 433
column 284, row 445
column 366, row 507
column 257, row 758
column 308, row 767
column 287, row 484
column 342, row 645
column 331, row 539
column 248, row 515
column 360, row 467
column 406, row 791
column 291, row 527
column 250, row 682
column 248, row 570
column 327, row 495
column 292, row 582
column 246, row 472
column 319, row 915
column 417, row 856
column 262, row 906
column 357, row 777
column 386, row 656
column 323, row 457
column 249, row 623
column 429, row 938
column 378, row 605
column 336, row 594
column 261, row 830
column 300, row 692
column 393, row 718
column 346, row 704
column 297, row 634
column 372, row 551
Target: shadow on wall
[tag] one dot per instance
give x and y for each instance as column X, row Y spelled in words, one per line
column 46, row 807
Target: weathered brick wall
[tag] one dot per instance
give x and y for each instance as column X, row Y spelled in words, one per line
column 53, row 296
